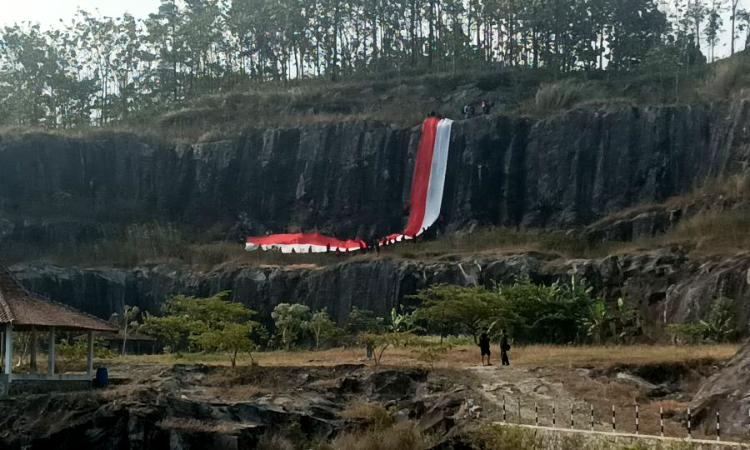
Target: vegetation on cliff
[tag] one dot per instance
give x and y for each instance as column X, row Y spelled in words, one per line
column 210, row 59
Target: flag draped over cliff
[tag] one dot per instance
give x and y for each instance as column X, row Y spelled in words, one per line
column 426, row 200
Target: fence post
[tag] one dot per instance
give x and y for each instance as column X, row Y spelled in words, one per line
column 554, row 416
column 572, row 424
column 592, row 416
column 661, row 420
column 614, row 420
column 689, row 424
column 536, row 413
column 504, row 411
column 718, row 426
column 520, row 417
column 637, row 419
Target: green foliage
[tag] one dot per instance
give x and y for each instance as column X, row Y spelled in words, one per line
column 211, row 324
column 230, row 338
column 291, row 320
column 554, row 314
column 76, row 350
column 363, row 321
column 322, row 327
column 113, row 70
column 456, row 308
column 686, row 334
column 721, row 324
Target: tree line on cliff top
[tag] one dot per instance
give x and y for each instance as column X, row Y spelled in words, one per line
column 103, row 70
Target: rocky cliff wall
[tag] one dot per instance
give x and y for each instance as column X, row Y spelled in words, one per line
column 354, row 178
column 653, row 282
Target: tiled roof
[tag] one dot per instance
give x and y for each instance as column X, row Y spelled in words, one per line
column 19, row 307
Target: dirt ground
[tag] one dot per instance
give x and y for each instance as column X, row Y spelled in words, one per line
column 568, row 379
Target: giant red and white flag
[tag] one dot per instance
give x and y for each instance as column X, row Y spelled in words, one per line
column 426, row 200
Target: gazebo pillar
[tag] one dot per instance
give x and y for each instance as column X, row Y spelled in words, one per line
column 90, row 358
column 8, row 348
column 32, row 365
column 51, row 351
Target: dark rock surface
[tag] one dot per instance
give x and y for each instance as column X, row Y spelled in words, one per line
column 728, row 393
column 353, row 178
column 653, row 282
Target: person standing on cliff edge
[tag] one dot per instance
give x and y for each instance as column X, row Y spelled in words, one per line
column 484, row 347
column 504, row 347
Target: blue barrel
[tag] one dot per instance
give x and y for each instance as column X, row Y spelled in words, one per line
column 102, row 377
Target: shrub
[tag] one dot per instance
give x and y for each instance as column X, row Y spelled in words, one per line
column 401, row 436
column 727, row 78
column 562, row 95
column 371, row 414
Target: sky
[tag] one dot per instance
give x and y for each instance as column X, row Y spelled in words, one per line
column 49, row 12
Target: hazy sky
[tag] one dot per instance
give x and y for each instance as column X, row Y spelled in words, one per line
column 49, row 12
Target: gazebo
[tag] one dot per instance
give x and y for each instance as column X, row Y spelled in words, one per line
column 21, row 311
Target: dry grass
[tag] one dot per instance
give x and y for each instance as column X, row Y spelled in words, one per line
column 193, row 426
column 563, row 95
column 401, row 436
column 370, row 414
column 468, row 356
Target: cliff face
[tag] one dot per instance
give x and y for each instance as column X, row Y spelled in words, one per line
column 653, row 283
column 353, row 178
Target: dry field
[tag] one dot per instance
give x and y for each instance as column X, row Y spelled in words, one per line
column 530, row 357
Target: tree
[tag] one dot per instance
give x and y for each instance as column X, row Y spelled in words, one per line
column 363, row 321
column 736, row 12
column 456, row 307
column 230, row 338
column 714, row 25
column 290, row 320
column 322, row 327
column 211, row 324
column 129, row 316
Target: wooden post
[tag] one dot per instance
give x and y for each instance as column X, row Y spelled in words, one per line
column 90, row 358
column 51, row 351
column 614, row 420
column 592, row 417
column 32, row 365
column 9, row 349
column 505, row 415
column 689, row 424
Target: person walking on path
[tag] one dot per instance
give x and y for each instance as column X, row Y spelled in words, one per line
column 504, row 348
column 484, row 347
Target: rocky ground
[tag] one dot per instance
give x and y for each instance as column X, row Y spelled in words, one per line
column 190, row 406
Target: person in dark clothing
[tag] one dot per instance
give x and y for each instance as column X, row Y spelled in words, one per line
column 484, row 347
column 486, row 107
column 504, row 348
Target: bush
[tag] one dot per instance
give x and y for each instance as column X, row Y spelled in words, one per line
column 727, row 78
column 563, row 95
column 686, row 333
column 402, row 436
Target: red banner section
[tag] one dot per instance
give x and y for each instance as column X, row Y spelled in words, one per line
column 426, row 200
